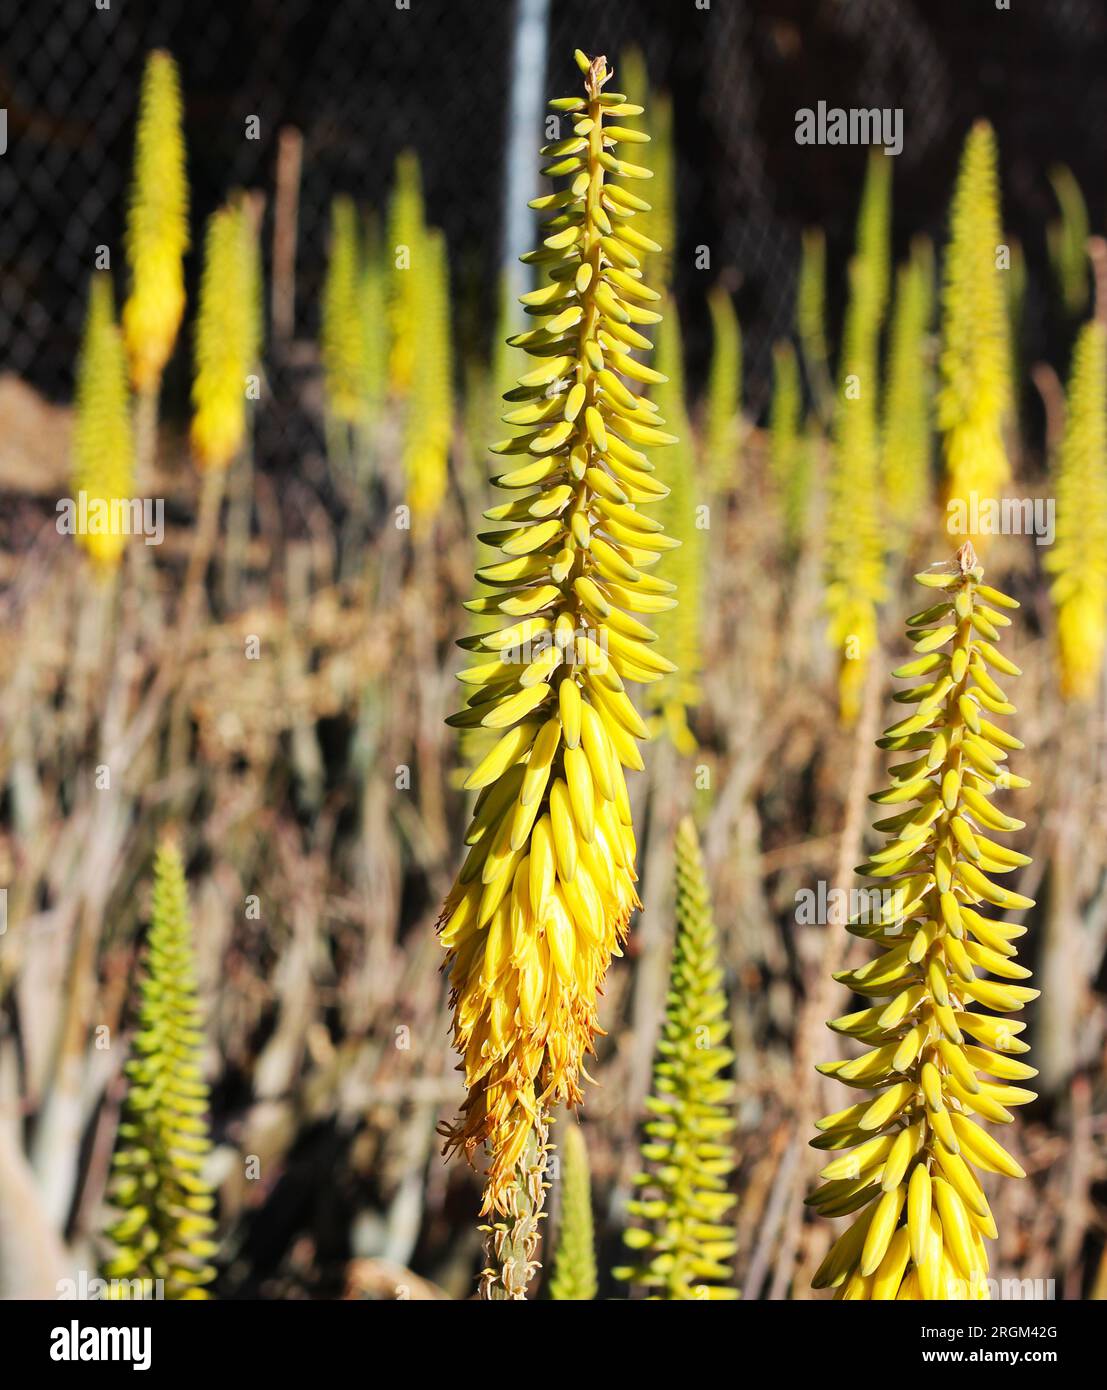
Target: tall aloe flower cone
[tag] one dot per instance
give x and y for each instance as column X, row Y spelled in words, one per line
column 685, row 1242
column 855, row 583
column 874, row 233
column 855, row 546
column 343, row 319
column 975, row 396
column 165, row 1230
column 939, row 1064
column 1078, row 561
column 906, row 425
column 574, row 1273
column 103, row 447
column 544, row 898
column 227, row 337
column 157, row 226
column 405, row 235
column 428, row 417
column 678, row 692
column 722, row 419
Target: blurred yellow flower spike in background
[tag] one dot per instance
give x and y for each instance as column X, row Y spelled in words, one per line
column 157, row 225
column 226, row 336
column 103, row 448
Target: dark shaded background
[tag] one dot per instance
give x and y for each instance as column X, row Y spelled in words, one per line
column 363, row 79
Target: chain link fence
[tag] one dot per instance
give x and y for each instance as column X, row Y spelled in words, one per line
column 364, row 79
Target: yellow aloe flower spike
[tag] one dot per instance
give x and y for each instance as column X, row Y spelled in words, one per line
column 164, row 1233
column 855, row 541
column 343, row 319
column 680, row 631
column 938, row 1065
column 722, row 419
column 157, row 226
column 405, row 234
column 543, row 900
column 428, row 415
column 976, row 394
column 227, row 336
column 574, row 1271
column 103, row 447
column 1079, row 559
column 687, row 1239
column 905, row 434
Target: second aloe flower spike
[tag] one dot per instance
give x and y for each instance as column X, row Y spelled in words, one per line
column 939, row 1066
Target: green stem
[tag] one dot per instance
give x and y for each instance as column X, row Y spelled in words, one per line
column 510, row 1246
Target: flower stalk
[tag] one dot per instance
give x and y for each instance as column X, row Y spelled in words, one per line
column 511, row 1246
